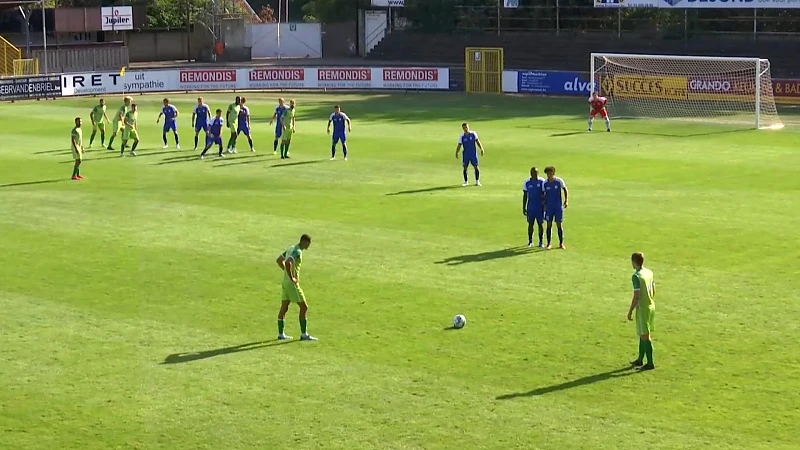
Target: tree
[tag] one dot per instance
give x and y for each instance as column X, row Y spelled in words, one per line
column 448, row 15
column 267, row 14
column 329, row 11
column 171, row 13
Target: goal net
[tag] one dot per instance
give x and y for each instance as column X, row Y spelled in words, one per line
column 734, row 91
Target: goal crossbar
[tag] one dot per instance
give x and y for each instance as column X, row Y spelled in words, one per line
column 678, row 57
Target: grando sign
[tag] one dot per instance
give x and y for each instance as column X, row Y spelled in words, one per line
column 116, row 18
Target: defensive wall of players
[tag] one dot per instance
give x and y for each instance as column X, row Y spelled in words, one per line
column 378, row 78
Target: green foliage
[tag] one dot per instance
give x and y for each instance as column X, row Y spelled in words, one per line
column 177, row 13
column 170, row 13
column 433, row 15
column 329, row 11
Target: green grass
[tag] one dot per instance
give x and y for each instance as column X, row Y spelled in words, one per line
column 138, row 305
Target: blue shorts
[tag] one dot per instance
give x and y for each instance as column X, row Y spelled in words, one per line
column 215, row 140
column 170, row 126
column 469, row 158
column 553, row 213
column 339, row 137
column 243, row 130
column 199, row 126
column 535, row 215
column 278, row 131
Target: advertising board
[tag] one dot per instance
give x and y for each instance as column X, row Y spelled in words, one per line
column 221, row 79
column 699, row 4
column 116, row 18
column 642, row 86
column 389, row 3
column 786, row 91
column 553, row 83
column 97, row 83
column 25, row 88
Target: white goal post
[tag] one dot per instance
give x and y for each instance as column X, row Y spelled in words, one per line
column 701, row 88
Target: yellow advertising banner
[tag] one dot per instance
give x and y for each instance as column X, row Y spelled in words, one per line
column 786, row 91
column 644, row 86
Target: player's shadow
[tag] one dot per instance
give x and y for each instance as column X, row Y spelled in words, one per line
column 571, row 133
column 238, row 161
column 177, row 159
column 144, row 152
column 591, row 379
column 424, row 190
column 297, row 163
column 31, row 183
column 63, row 150
column 178, row 358
column 487, row 256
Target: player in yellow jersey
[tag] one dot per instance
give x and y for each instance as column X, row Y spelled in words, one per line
column 99, row 120
column 131, row 130
column 291, row 292
column 119, row 119
column 77, row 149
column 232, row 121
column 288, row 127
column 643, row 304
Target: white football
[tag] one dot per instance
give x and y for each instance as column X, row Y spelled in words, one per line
column 459, row 321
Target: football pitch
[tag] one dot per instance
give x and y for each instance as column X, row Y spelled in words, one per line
column 139, row 304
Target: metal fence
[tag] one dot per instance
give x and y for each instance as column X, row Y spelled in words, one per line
column 552, row 16
column 97, row 59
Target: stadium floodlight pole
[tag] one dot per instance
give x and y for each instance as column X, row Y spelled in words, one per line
column 558, row 18
column 280, row 8
column 44, row 40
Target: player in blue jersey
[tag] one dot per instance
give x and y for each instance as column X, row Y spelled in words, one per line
column 276, row 116
column 469, row 140
column 200, row 118
column 554, row 207
column 341, row 126
column 243, row 126
column 214, row 134
column 170, row 113
column 533, row 204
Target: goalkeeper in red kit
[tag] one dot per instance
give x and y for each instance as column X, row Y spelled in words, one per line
column 597, row 106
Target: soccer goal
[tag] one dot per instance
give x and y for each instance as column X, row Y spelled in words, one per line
column 734, row 91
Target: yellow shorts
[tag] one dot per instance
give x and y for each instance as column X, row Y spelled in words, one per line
column 292, row 292
column 130, row 133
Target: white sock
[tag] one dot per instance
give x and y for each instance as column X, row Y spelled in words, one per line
column 590, row 123
column 608, row 124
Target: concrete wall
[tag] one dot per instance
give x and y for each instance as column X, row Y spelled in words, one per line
column 294, row 40
column 158, row 46
column 81, row 59
column 172, row 45
column 339, row 40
